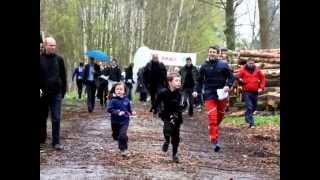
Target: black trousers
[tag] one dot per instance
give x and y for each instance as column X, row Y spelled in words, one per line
column 103, row 92
column 187, row 95
column 91, row 91
column 143, row 96
column 80, row 87
column 52, row 103
column 119, row 133
column 171, row 133
column 153, row 94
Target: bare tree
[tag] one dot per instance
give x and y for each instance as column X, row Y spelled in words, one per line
column 176, row 26
column 264, row 24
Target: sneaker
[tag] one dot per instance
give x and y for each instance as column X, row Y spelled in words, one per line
column 175, row 158
column 124, row 153
column 165, row 147
column 251, row 126
column 58, row 147
column 216, row 147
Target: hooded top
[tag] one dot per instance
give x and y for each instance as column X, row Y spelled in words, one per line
column 116, row 105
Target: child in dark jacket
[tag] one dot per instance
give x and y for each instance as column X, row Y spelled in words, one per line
column 171, row 113
column 120, row 109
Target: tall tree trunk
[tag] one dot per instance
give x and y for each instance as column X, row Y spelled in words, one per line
column 230, row 27
column 264, row 24
column 176, row 27
column 253, row 24
column 143, row 20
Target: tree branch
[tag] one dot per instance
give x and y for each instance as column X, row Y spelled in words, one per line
column 220, row 4
column 238, row 2
column 274, row 13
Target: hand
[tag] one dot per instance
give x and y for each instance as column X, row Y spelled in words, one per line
column 121, row 113
column 194, row 94
column 133, row 113
column 155, row 110
column 241, row 82
column 260, row 90
column 41, row 93
column 226, row 88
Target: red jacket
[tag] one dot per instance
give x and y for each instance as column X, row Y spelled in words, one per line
column 252, row 81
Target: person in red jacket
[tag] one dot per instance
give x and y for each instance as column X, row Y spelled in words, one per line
column 253, row 82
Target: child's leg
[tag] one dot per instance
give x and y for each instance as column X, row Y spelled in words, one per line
column 167, row 131
column 115, row 131
column 175, row 139
column 123, row 137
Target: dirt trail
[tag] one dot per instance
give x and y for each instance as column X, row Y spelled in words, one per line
column 90, row 152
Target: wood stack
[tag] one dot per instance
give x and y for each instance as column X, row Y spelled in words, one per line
column 268, row 60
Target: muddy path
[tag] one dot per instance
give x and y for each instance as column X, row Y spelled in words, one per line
column 90, row 152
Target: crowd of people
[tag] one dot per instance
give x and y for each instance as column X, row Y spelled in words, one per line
column 171, row 93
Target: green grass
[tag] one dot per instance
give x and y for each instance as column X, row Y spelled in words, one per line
column 259, row 120
column 72, row 95
column 71, row 100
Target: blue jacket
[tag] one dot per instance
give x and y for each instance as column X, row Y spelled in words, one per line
column 78, row 74
column 116, row 105
column 214, row 75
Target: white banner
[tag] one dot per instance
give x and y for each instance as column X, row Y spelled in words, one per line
column 174, row 58
column 144, row 55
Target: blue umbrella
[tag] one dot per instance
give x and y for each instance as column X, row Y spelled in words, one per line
column 99, row 55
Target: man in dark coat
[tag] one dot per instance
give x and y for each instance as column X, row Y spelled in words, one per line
column 214, row 74
column 154, row 77
column 53, row 85
column 91, row 74
column 189, row 75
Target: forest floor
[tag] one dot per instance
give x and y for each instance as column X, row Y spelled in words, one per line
column 91, row 153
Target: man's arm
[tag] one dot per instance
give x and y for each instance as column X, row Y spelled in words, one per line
column 163, row 74
column 195, row 74
column 230, row 77
column 85, row 73
column 98, row 71
column 262, row 79
column 63, row 76
column 144, row 76
column 199, row 81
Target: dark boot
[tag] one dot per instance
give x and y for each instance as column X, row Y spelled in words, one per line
column 165, row 146
column 175, row 157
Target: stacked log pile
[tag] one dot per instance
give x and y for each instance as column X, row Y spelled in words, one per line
column 268, row 60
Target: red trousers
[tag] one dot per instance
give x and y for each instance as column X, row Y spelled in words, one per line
column 215, row 110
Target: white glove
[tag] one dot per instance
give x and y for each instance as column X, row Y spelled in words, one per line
column 194, row 94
